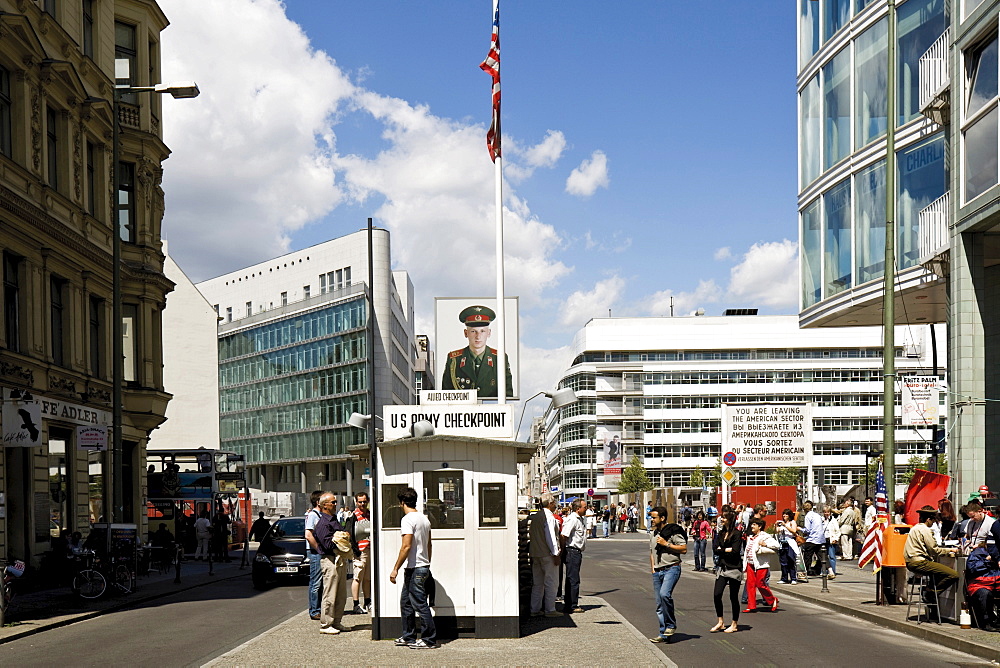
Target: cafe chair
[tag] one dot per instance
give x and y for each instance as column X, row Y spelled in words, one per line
column 923, row 594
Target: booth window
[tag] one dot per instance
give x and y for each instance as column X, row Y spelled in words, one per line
column 392, row 514
column 491, row 505
column 444, row 502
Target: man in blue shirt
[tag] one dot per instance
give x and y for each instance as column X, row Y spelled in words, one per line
column 815, row 539
column 315, row 569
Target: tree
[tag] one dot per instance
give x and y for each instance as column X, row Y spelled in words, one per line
column 697, row 477
column 714, row 477
column 915, row 462
column 634, row 478
column 786, row 477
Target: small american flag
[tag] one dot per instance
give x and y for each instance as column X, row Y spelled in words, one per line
column 872, row 548
column 492, row 67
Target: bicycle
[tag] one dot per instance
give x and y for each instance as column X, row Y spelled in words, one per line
column 8, row 573
column 92, row 581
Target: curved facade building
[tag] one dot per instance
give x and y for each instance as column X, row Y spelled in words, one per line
column 946, row 195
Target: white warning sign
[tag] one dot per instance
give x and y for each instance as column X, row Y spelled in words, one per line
column 768, row 435
column 920, row 400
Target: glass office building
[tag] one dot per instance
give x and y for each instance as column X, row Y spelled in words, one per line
column 947, row 197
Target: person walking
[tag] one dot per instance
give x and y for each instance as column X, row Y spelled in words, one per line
column 831, row 532
column 359, row 526
column 543, row 548
column 606, row 521
column 788, row 554
column 649, row 519
column 574, row 538
column 259, row 527
column 591, row 522
column 815, row 539
column 315, row 564
column 334, row 546
column 203, row 534
column 666, row 545
column 726, row 545
column 415, row 553
column 848, row 522
column 759, row 546
column 701, row 531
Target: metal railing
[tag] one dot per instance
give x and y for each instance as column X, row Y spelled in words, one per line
column 933, row 69
column 932, row 223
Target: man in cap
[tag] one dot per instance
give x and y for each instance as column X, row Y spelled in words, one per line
column 921, row 548
column 475, row 366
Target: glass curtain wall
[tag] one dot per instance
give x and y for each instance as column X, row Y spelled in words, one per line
column 808, row 30
column 869, row 223
column 809, row 133
column 837, row 238
column 871, row 73
column 836, row 14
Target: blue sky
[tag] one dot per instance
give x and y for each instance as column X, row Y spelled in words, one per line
column 316, row 114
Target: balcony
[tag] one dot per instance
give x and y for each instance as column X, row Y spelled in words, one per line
column 935, row 82
column 934, row 242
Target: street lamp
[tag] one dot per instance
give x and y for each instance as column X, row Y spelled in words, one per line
column 185, row 89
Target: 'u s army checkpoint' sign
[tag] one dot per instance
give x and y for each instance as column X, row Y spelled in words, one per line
column 479, row 420
column 768, row 435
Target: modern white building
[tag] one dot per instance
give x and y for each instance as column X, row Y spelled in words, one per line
column 660, row 384
column 190, row 365
column 293, row 360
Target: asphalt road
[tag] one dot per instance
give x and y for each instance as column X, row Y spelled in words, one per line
column 186, row 629
column 800, row 634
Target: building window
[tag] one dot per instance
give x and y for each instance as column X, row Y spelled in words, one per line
column 837, row 109
column 284, row 299
column 810, row 131
column 812, row 285
column 126, row 201
column 922, row 179
column 919, row 24
column 305, row 292
column 96, row 339
column 969, row 6
column 837, row 238
column 979, row 131
column 322, row 284
column 808, row 30
column 870, row 85
column 836, row 14
column 125, row 48
column 91, row 179
column 12, row 301
column 52, row 147
column 130, row 341
column 869, row 223
column 347, row 277
column 57, row 323
column 88, row 28
column 249, row 309
column 5, row 113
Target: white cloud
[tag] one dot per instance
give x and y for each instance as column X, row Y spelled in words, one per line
column 768, row 275
column 589, row 176
column 724, row 253
column 255, row 159
column 544, row 154
column 541, row 369
column 617, row 243
column 683, row 303
column 581, row 306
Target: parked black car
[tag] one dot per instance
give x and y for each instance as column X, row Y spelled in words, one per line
column 282, row 554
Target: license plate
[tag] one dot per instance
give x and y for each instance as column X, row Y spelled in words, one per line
column 286, row 569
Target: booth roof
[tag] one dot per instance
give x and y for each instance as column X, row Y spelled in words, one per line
column 524, row 450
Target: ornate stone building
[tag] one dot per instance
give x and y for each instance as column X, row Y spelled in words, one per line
column 57, row 217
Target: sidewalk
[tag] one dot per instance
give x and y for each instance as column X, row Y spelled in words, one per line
column 610, row 639
column 50, row 608
column 853, row 593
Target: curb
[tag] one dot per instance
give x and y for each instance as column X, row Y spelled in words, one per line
column 46, row 626
column 660, row 657
column 921, row 631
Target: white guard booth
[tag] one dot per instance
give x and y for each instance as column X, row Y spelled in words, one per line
column 468, row 488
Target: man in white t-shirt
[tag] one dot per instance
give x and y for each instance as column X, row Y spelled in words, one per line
column 415, row 552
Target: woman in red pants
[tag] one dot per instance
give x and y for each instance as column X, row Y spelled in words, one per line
column 756, row 562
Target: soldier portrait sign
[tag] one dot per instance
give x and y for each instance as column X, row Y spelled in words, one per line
column 465, row 341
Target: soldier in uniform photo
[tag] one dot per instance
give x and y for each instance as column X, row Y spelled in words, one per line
column 475, row 366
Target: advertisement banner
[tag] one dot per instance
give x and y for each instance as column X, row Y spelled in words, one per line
column 481, row 421
column 920, row 400
column 465, row 353
column 767, row 435
column 612, row 455
column 22, row 423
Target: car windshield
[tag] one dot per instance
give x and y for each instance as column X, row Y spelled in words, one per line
column 289, row 527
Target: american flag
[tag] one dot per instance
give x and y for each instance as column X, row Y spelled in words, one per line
column 872, row 548
column 492, row 67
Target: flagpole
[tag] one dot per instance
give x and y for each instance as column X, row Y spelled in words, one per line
column 501, row 312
